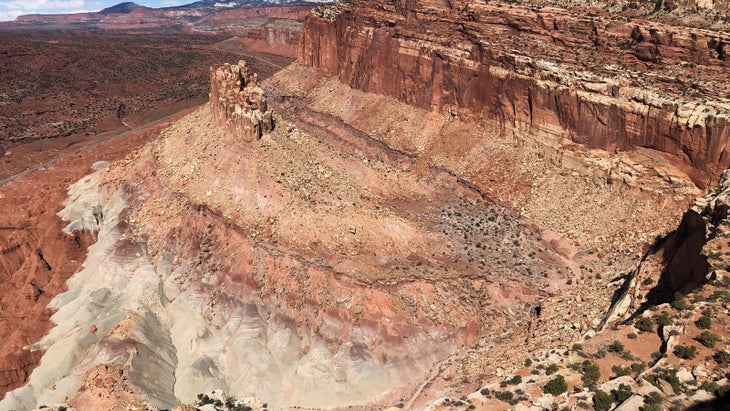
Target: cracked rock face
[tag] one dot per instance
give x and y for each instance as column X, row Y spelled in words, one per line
column 238, row 103
column 548, row 74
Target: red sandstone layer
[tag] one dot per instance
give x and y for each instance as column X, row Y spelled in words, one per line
column 540, row 72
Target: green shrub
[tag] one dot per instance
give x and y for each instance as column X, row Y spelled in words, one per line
column 722, row 357
column 556, row 386
column 663, row 319
column 551, row 369
column 708, row 339
column 620, row 371
column 515, row 380
column 622, row 393
column 638, row 367
column 632, row 336
column 505, row 396
column 704, row 323
column 204, row 399
column 653, row 398
column 484, row 392
column 528, row 362
column 679, row 302
column 669, row 376
column 602, row 401
column 718, row 295
column 710, row 386
column 684, row 352
column 591, row 373
column 616, row 347
column 644, row 324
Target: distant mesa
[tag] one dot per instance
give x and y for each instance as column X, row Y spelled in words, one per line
column 121, row 8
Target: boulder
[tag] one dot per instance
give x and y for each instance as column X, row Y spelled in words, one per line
column 665, row 387
column 685, row 376
column 545, row 402
column 614, row 384
column 632, row 403
column 646, row 388
column 699, row 371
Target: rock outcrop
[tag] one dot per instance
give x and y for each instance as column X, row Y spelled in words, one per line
column 237, row 102
column 541, row 72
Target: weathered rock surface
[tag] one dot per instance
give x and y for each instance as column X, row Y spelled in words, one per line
column 544, row 73
column 238, row 103
column 37, row 257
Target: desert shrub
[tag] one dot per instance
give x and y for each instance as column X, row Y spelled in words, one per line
column 556, row 386
column 704, row 323
column 638, row 367
column 528, row 362
column 505, row 396
column 204, row 399
column 602, row 401
column 679, row 302
column 484, row 392
column 632, row 336
column 718, row 295
column 722, row 357
column 622, row 393
column 653, row 398
column 591, row 373
column 647, row 281
column 644, row 324
column 515, row 380
column 663, row 319
column 551, row 369
column 620, row 371
column 616, row 347
column 669, row 376
column 708, row 339
column 685, row 352
column 710, row 386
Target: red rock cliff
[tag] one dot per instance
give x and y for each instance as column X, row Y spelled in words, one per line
column 541, row 72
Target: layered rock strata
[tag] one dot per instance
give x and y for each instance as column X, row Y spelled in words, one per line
column 238, row 103
column 540, row 72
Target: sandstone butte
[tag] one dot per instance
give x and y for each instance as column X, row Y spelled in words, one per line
column 440, row 206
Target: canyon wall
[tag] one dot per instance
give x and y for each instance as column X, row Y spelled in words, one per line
column 540, row 72
column 237, row 102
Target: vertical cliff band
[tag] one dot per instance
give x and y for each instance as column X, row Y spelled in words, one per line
column 237, row 102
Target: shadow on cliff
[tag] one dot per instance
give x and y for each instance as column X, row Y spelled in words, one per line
column 685, row 267
column 720, row 403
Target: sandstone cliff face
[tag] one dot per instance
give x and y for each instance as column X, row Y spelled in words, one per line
column 541, row 73
column 237, row 102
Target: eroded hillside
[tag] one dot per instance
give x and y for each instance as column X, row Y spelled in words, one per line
column 404, row 217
